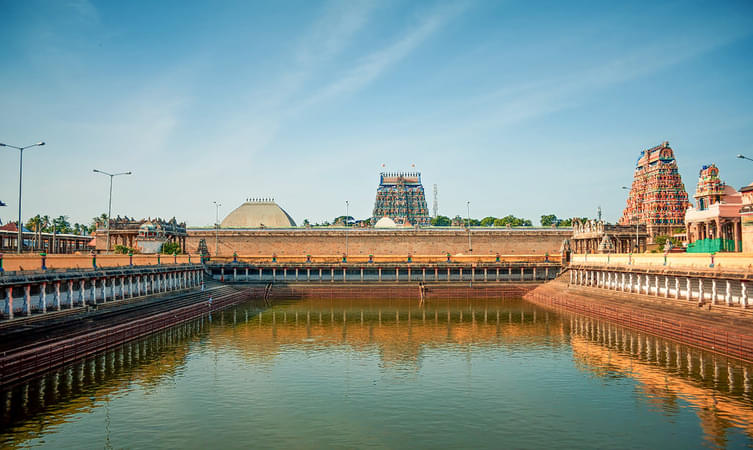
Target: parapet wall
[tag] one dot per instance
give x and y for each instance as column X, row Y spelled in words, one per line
column 380, row 242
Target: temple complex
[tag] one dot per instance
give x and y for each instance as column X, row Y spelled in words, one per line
column 146, row 235
column 714, row 224
column 400, row 197
column 657, row 197
column 595, row 236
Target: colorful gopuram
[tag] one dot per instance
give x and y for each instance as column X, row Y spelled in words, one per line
column 401, row 197
column 714, row 224
column 657, row 197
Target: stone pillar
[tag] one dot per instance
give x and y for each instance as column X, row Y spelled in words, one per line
column 138, row 285
column 43, row 297
column 448, row 274
column 423, row 274
column 700, row 291
column 57, row 296
column 744, row 294
column 82, row 292
column 486, row 278
column 728, row 294
column 70, row 293
column 130, row 286
column 713, row 291
column 397, row 274
column 260, row 272
column 534, row 273
column 380, row 274
column 522, row 274
column 688, row 292
column 677, row 287
column 666, row 286
column 308, row 273
column 637, row 284
column 235, row 273
column 27, row 299
column 331, row 274
column 622, row 284
column 104, row 290
column 9, row 301
column 361, row 274
column 656, row 285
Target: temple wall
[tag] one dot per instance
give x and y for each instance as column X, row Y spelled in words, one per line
column 379, row 242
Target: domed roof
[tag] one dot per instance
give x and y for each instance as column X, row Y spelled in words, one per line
column 258, row 213
column 385, row 222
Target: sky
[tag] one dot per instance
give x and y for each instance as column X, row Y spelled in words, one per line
column 520, row 107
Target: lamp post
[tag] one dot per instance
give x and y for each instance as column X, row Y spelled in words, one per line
column 20, row 176
column 468, row 205
column 637, row 247
column 216, row 228
column 744, row 157
column 109, row 204
column 347, row 203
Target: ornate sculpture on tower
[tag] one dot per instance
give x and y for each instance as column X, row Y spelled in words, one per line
column 657, row 197
column 401, row 197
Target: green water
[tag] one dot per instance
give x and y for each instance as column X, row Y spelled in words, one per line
column 388, row 374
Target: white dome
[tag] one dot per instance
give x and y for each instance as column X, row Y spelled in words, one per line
column 255, row 214
column 385, row 222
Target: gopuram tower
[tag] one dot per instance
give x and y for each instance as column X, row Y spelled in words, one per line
column 401, row 197
column 657, row 197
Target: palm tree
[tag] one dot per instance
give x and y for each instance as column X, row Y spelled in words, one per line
column 33, row 224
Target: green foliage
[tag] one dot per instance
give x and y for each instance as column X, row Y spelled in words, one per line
column 512, row 221
column 122, row 249
column 441, row 221
column 306, row 222
column 661, row 240
column 488, row 221
column 169, row 248
column 549, row 220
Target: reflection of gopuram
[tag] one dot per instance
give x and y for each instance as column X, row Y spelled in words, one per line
column 717, row 388
column 400, row 197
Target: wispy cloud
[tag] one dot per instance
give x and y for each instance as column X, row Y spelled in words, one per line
column 374, row 65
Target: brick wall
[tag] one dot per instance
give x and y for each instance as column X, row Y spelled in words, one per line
column 380, row 242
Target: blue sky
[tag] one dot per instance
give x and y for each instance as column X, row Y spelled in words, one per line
column 523, row 108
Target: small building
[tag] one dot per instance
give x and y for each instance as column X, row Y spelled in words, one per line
column 746, row 217
column 595, row 236
column 400, row 196
column 714, row 224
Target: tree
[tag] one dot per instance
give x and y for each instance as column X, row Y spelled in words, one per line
column 60, row 224
column 488, row 221
column 512, row 221
column 306, row 222
column 441, row 221
column 98, row 222
column 169, row 248
column 549, row 220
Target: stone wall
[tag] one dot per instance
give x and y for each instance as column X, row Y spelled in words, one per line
column 380, row 242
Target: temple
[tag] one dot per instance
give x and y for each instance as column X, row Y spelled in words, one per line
column 401, row 198
column 145, row 235
column 657, row 197
column 714, row 224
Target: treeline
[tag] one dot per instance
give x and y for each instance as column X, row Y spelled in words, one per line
column 510, row 220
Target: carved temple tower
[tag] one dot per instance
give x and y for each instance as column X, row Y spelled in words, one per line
column 657, row 197
column 401, row 197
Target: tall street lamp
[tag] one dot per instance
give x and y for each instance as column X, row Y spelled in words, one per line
column 20, row 175
column 347, row 203
column 744, row 157
column 637, row 247
column 216, row 228
column 109, row 203
column 470, row 247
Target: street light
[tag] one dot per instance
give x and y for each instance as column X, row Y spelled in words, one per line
column 20, row 175
column 470, row 247
column 744, row 157
column 216, row 228
column 347, row 203
column 636, row 227
column 109, row 203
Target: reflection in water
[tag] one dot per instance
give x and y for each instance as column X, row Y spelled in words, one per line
column 719, row 389
column 388, row 373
